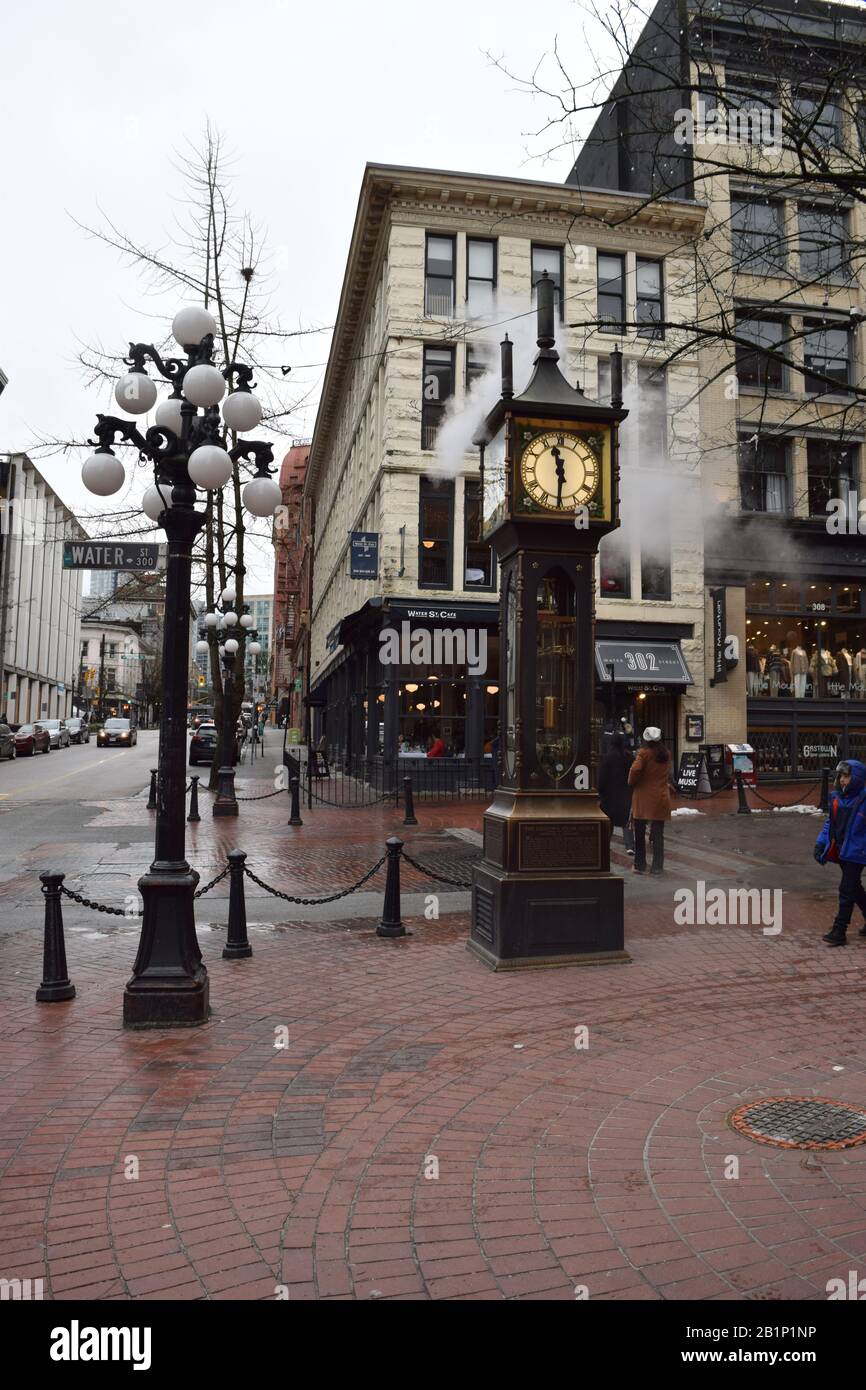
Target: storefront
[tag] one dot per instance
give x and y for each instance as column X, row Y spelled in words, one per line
column 642, row 678
column 805, row 672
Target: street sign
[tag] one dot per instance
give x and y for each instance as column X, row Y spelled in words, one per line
column 112, row 555
column 364, row 551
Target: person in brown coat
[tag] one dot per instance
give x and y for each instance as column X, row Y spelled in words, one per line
column 651, row 799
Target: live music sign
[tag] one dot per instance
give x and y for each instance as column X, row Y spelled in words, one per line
column 112, row 555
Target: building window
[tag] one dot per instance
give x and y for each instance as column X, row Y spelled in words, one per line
column 818, row 121
column 478, row 569
column 479, row 361
column 764, row 475
column 826, row 349
column 648, row 277
column 824, row 249
column 832, row 473
column 754, row 366
column 614, row 565
column 652, row 415
column 744, row 114
column 602, row 395
column 757, row 237
column 439, row 276
column 435, row 533
column 611, row 293
column 438, row 387
column 480, row 276
column 655, row 561
column 548, row 258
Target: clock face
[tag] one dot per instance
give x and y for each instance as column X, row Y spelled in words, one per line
column 559, row 471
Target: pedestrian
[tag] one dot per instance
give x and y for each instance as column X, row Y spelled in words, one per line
column 843, row 841
column 613, row 789
column 651, row 799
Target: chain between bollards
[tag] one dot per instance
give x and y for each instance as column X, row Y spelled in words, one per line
column 193, row 800
column 237, row 942
column 295, row 792
column 743, row 809
column 408, row 803
column 151, row 800
column 391, row 923
column 56, row 984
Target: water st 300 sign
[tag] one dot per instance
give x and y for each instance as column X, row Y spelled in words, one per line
column 112, row 555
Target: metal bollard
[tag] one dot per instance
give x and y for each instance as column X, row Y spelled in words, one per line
column 237, row 943
column 193, row 800
column 151, row 800
column 408, row 803
column 824, row 803
column 742, row 808
column 56, row 984
column 295, row 791
column 391, row 924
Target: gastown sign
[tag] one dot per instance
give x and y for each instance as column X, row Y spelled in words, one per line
column 112, row 555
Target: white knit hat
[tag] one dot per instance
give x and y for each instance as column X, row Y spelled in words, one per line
column 652, row 734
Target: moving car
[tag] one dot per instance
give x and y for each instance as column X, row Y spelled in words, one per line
column 30, row 739
column 202, row 745
column 7, row 742
column 58, row 731
column 79, row 730
column 118, row 732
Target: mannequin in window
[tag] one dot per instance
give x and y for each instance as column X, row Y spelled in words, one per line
column 822, row 670
column 799, row 665
column 845, row 670
column 860, row 670
column 777, row 669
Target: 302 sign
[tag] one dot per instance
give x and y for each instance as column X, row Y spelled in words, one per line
column 641, row 661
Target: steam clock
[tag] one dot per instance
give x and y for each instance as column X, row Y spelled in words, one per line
column 543, row 893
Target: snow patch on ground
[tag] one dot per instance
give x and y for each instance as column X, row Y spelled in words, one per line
column 686, row 811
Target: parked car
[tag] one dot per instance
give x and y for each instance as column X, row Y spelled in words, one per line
column 7, row 742
column 30, row 739
column 119, row 732
column 79, row 730
column 202, row 745
column 58, row 731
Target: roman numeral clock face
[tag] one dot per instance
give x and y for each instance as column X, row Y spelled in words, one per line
column 559, row 471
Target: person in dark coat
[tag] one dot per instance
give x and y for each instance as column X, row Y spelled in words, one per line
column 843, row 841
column 649, row 778
column 614, row 792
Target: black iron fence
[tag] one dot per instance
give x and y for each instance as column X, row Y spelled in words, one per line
column 347, row 781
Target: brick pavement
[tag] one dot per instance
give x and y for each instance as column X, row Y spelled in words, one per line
column 431, row 1131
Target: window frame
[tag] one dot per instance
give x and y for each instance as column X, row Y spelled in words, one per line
column 840, row 274
column 785, row 443
column 471, row 485
column 774, row 262
column 477, row 279
column 452, row 238
column 656, row 331
column 815, row 478
column 812, row 327
column 622, row 549
column 438, row 405
column 560, row 294
column 761, row 381
column 617, row 329
column 647, row 443
column 437, row 489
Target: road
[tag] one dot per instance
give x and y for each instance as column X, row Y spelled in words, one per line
column 82, row 770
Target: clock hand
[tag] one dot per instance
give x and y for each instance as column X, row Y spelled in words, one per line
column 560, row 474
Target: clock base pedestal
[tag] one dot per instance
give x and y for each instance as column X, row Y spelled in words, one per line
column 531, row 907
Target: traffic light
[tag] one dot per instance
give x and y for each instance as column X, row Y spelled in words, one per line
column 201, row 680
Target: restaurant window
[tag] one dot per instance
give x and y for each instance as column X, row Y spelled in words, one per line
column 655, row 561
column 478, row 568
column 652, row 415
column 614, row 562
column 826, row 349
column 548, row 258
column 649, row 304
column 480, row 276
column 611, row 293
column 754, row 366
column 439, row 276
column 438, row 386
column 435, row 533
column 763, row 468
column 757, row 236
column 831, row 473
column 824, row 248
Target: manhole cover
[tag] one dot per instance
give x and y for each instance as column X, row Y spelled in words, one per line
column 801, row 1122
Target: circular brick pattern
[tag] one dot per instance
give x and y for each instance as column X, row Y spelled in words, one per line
column 801, row 1122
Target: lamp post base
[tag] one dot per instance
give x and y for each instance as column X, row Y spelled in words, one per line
column 226, row 802
column 169, row 986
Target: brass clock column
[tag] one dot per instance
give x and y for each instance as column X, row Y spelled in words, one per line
column 543, row 893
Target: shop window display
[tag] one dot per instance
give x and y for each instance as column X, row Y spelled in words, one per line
column 820, row 656
column 433, row 709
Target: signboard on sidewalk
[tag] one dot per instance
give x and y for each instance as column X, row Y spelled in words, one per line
column 693, row 776
column 113, row 555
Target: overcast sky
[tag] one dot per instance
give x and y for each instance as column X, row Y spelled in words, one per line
column 99, row 95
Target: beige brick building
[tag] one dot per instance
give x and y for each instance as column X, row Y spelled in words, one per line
column 440, row 266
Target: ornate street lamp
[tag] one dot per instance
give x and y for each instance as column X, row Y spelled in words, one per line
column 169, row 985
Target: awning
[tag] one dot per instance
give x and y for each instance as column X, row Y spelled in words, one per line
column 639, row 663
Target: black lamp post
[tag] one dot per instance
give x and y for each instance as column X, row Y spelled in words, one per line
column 169, row 985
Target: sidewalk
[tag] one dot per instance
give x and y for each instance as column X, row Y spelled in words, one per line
column 430, row 1130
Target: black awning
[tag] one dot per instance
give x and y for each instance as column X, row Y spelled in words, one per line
column 642, row 663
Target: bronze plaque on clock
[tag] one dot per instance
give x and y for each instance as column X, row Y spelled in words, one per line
column 562, row 845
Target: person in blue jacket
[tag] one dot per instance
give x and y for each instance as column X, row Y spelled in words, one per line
column 843, row 841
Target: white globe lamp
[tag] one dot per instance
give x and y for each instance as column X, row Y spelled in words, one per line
column 102, row 474
column 230, row 619
column 211, row 619
column 156, row 500
column 135, row 393
column 191, row 324
column 231, row 646
column 229, row 594
column 262, row 496
column 246, row 620
column 168, row 415
column 255, row 649
column 242, row 411
column 204, row 385
column 210, row 466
